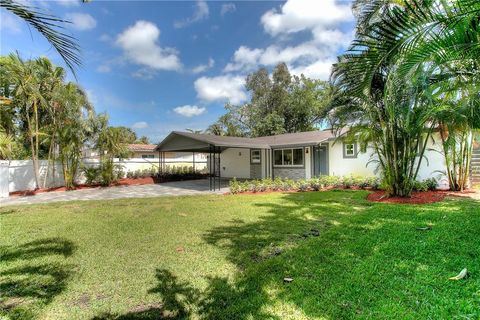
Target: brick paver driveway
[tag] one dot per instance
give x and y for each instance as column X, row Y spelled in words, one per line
column 180, row 188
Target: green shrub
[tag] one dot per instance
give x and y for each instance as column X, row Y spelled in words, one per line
column 303, row 185
column 92, row 175
column 420, row 186
column 234, row 186
column 432, row 184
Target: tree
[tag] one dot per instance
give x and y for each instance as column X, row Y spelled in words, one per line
column 50, row 27
column 110, row 144
column 279, row 104
column 143, row 140
column 386, row 80
column 73, row 129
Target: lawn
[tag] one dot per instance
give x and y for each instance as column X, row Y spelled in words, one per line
column 226, row 257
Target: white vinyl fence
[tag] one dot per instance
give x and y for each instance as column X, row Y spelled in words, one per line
column 18, row 175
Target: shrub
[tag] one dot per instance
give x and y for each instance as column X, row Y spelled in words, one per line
column 234, row 186
column 432, row 184
column 420, row 186
column 303, row 185
column 92, row 175
column 315, row 184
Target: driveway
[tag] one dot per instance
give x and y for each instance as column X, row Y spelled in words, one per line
column 180, row 188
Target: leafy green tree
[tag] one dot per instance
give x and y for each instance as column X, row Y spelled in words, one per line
column 143, row 140
column 280, row 103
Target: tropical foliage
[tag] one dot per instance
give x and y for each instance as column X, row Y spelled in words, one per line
column 411, row 63
column 50, row 27
column 51, row 119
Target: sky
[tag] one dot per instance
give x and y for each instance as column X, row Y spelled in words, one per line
column 158, row 66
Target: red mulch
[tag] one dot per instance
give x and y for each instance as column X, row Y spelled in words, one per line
column 121, row 182
column 416, row 198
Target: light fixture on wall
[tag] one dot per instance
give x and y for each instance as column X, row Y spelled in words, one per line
column 240, row 154
column 306, row 150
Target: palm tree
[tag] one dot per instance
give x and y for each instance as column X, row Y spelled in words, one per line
column 29, row 99
column 50, row 27
column 72, row 129
column 386, row 79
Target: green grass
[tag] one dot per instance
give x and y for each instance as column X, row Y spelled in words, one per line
column 225, row 257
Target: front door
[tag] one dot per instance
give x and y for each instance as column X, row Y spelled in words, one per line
column 320, row 160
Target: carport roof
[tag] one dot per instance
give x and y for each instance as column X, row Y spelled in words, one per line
column 187, row 141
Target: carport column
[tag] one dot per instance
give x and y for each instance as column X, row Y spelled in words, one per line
column 4, row 179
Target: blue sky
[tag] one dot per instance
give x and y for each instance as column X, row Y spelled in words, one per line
column 158, row 66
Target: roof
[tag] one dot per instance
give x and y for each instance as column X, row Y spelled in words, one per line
column 134, row 147
column 303, row 138
column 187, row 141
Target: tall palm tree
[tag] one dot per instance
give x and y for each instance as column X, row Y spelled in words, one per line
column 50, row 27
column 385, row 80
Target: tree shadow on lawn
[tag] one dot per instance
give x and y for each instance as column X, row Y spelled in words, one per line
column 27, row 282
column 367, row 260
column 177, row 299
column 348, row 258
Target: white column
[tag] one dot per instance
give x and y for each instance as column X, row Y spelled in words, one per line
column 4, row 179
column 308, row 162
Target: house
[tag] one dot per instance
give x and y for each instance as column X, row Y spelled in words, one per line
column 144, row 151
column 294, row 155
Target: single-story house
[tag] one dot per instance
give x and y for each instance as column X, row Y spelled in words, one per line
column 294, row 155
column 144, row 151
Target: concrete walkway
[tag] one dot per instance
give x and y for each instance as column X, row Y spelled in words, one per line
column 180, row 188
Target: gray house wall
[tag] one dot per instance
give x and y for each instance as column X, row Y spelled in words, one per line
column 291, row 173
column 256, row 171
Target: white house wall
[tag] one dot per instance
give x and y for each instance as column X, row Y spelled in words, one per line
column 235, row 162
column 340, row 166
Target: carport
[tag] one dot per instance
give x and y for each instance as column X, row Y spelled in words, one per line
column 212, row 145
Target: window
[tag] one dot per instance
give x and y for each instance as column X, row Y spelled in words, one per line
column 255, row 156
column 288, row 157
column 349, row 150
column 148, row 156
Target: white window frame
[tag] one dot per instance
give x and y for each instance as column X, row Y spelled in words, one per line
column 257, row 158
column 283, row 165
column 346, row 155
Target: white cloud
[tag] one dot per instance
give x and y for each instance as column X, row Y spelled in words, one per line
column 317, row 70
column 222, row 88
column 244, row 59
column 190, row 111
column 104, row 68
column 298, row 15
column 201, row 13
column 9, row 22
column 140, row 125
column 314, row 56
column 140, row 45
column 81, row 21
column 204, row 67
column 227, row 8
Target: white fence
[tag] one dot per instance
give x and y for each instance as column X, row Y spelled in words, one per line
column 19, row 174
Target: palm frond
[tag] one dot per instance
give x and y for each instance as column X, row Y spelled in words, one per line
column 51, row 28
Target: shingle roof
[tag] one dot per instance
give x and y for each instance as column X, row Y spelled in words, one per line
column 141, row 147
column 301, row 138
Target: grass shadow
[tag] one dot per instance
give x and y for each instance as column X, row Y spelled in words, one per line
column 31, row 275
column 364, row 260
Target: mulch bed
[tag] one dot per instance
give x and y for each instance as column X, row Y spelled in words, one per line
column 421, row 197
column 379, row 196
column 121, row 182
